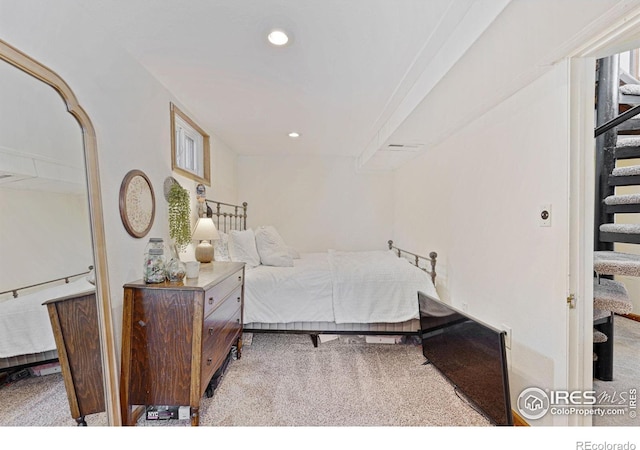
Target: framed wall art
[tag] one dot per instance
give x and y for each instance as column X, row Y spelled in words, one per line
column 137, row 203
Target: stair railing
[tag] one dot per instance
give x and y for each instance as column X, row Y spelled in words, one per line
column 628, row 114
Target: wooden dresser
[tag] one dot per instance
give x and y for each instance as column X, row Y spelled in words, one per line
column 74, row 320
column 175, row 337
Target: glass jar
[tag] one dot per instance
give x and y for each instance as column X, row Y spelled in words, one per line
column 154, row 266
column 154, row 243
column 176, row 270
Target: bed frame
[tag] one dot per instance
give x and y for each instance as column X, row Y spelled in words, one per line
column 234, row 217
column 19, row 362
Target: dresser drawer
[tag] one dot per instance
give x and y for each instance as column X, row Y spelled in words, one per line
column 175, row 338
column 220, row 331
column 217, row 294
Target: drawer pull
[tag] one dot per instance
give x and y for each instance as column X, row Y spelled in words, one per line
column 238, row 299
column 210, row 331
column 237, row 320
column 209, row 361
column 240, row 278
column 211, row 300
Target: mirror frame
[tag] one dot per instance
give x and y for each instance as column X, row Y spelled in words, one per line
column 32, row 67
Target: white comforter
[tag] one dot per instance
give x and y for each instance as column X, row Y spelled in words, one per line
column 24, row 321
column 341, row 287
column 375, row 286
column 301, row 293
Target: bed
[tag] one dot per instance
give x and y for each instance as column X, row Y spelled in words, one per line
column 333, row 292
column 26, row 336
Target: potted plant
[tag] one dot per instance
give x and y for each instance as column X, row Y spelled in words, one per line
column 179, row 216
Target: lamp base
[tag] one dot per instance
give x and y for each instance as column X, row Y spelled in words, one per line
column 204, row 252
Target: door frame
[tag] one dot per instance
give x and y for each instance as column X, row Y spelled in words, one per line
column 618, row 37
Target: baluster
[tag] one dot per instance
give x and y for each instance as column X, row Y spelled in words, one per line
column 235, row 218
column 433, row 256
column 244, row 216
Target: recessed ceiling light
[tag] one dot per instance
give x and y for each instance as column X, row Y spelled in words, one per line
column 278, row 37
column 293, row 134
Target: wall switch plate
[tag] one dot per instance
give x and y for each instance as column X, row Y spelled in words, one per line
column 544, row 215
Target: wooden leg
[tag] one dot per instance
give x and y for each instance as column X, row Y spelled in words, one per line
column 239, row 347
column 195, row 416
column 126, row 412
column 314, row 339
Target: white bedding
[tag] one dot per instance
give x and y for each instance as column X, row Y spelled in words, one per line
column 24, row 321
column 340, row 287
column 290, row 294
column 376, row 286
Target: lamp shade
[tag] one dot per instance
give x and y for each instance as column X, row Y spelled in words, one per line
column 205, row 230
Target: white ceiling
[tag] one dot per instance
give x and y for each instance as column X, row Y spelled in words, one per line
column 354, row 70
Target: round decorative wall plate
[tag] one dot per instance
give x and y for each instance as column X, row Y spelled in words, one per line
column 168, row 182
column 137, row 203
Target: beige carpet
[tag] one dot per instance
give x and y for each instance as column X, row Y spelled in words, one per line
column 626, row 371
column 39, row 401
column 282, row 380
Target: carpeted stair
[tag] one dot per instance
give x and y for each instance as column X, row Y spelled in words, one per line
column 627, row 147
column 626, row 199
column 599, row 337
column 630, row 89
column 607, row 262
column 611, row 295
column 620, row 232
column 630, row 94
column 616, row 92
column 625, row 176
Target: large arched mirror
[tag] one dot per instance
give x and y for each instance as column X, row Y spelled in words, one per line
column 51, row 222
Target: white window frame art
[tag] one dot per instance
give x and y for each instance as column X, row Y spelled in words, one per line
column 190, row 153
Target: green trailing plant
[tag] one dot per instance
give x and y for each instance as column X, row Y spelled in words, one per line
column 179, row 216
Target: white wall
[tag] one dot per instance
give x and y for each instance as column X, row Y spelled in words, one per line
column 474, row 199
column 44, row 236
column 130, row 111
column 317, row 202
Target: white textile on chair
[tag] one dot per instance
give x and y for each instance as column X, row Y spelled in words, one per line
column 376, row 286
column 24, row 322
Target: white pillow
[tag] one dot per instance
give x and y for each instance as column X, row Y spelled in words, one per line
column 221, row 247
column 242, row 247
column 271, row 248
column 294, row 253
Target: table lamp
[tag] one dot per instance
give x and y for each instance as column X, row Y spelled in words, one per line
column 205, row 231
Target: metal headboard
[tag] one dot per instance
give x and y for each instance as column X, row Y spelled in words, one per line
column 14, row 292
column 234, row 217
column 226, row 216
column 415, row 260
